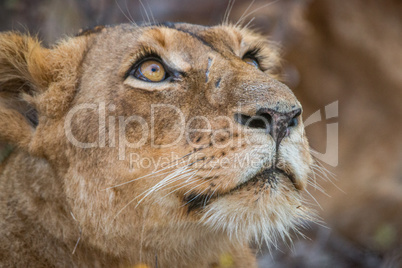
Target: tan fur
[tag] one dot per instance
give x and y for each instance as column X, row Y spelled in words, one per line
column 54, row 193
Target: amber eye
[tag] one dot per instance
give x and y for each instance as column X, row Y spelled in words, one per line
column 151, row 71
column 251, row 61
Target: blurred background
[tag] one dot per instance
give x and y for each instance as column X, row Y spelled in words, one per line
column 343, row 60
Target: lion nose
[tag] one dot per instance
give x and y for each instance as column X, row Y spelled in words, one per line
column 277, row 124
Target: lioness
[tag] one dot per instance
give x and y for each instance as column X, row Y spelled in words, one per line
column 84, row 116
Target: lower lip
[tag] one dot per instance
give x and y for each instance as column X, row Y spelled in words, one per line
column 269, row 176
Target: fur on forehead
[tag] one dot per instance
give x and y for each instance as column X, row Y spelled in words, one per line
column 230, row 38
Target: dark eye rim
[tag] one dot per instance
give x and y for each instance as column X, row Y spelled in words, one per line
column 251, row 55
column 135, row 69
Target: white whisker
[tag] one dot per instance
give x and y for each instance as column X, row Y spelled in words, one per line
column 160, row 184
column 186, row 183
column 245, row 12
column 228, row 11
column 135, row 198
column 121, row 10
column 151, row 13
column 149, row 174
column 146, row 13
column 313, row 198
column 248, row 24
column 243, row 17
column 128, row 11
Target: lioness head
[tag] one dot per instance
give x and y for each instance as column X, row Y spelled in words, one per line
column 159, row 136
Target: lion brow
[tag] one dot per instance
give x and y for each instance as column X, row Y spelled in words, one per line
column 172, row 25
column 91, row 30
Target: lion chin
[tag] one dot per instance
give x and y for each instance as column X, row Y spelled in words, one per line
column 167, row 145
column 260, row 215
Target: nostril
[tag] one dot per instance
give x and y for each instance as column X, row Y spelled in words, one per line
column 277, row 124
column 261, row 121
column 294, row 121
column 258, row 122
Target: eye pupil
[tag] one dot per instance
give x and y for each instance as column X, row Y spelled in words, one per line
column 151, row 71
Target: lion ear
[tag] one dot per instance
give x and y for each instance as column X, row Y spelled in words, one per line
column 24, row 73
